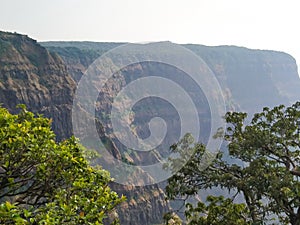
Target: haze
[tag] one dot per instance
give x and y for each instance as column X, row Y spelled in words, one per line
column 254, row 24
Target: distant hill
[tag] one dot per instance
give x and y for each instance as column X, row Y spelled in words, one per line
column 255, row 78
column 252, row 78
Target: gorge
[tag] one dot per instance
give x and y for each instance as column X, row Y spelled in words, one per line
column 44, row 77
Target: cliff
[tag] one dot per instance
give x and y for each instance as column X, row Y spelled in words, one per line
column 252, row 78
column 30, row 75
column 44, row 76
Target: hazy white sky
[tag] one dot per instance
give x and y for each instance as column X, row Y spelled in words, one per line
column 262, row 24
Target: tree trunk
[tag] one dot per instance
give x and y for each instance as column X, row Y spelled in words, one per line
column 295, row 219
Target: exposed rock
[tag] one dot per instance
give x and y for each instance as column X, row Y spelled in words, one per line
column 30, row 75
column 45, row 80
column 252, row 79
column 144, row 205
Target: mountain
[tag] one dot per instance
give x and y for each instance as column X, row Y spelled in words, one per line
column 31, row 75
column 252, row 78
column 44, row 76
column 40, row 79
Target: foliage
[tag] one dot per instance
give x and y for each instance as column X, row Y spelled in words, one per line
column 44, row 182
column 261, row 167
column 218, row 211
column 172, row 219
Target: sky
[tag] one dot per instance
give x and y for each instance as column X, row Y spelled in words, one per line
column 258, row 24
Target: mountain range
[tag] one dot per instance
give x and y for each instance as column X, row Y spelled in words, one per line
column 45, row 75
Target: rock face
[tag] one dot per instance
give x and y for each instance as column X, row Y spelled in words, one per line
column 44, row 78
column 252, row 79
column 145, row 205
column 30, row 75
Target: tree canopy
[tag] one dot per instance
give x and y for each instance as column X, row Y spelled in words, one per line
column 44, row 182
column 260, row 166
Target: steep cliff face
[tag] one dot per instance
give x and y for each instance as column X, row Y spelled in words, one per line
column 252, row 78
column 145, row 205
column 45, row 80
column 78, row 55
column 30, row 75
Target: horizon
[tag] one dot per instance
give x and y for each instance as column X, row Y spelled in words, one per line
column 144, row 42
column 263, row 25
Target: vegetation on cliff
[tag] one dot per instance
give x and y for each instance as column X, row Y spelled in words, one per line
column 45, row 80
column 30, row 75
column 45, row 86
column 44, row 182
column 260, row 169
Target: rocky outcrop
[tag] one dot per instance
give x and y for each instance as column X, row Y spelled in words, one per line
column 252, row 79
column 144, row 205
column 30, row 75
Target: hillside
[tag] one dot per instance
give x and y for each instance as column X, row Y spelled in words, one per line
column 30, row 75
column 44, row 76
column 255, row 78
column 252, row 78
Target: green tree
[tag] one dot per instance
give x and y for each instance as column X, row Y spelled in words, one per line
column 261, row 166
column 44, row 182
